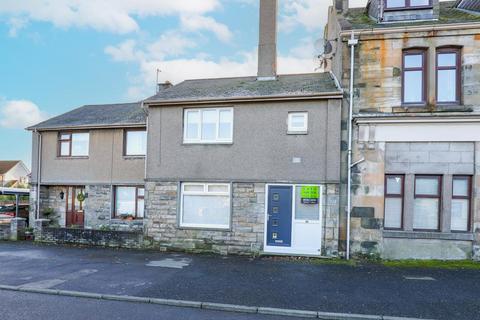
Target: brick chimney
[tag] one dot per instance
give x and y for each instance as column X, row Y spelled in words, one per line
column 267, row 45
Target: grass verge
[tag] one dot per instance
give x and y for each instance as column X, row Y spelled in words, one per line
column 435, row 264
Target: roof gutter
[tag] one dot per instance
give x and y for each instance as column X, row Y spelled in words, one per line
column 115, row 126
column 430, row 28
column 321, row 96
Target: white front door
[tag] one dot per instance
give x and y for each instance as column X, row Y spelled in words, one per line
column 306, row 224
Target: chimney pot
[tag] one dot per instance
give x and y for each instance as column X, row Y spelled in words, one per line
column 267, row 45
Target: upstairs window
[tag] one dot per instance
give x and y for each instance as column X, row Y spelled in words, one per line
column 135, row 142
column 297, row 122
column 73, row 144
column 212, row 125
column 448, row 76
column 414, row 77
column 407, row 4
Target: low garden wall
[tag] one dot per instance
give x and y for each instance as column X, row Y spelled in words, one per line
column 110, row 238
column 4, row 231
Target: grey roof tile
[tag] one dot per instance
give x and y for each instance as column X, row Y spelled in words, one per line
column 97, row 115
column 247, row 87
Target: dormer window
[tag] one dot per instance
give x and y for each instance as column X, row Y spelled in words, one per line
column 407, row 4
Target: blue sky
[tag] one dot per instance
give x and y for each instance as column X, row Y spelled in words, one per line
column 58, row 55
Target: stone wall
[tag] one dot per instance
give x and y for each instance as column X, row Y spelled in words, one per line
column 4, row 231
column 245, row 236
column 98, row 205
column 331, row 221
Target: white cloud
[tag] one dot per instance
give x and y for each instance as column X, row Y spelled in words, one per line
column 197, row 23
column 19, row 114
column 307, row 13
column 117, row 16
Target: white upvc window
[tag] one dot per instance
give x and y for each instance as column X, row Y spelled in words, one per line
column 205, row 205
column 298, row 122
column 209, row 125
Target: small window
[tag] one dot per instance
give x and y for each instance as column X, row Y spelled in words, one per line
column 129, row 202
column 426, row 211
column 298, row 122
column 205, row 206
column 414, row 77
column 73, row 144
column 461, row 207
column 394, row 185
column 448, row 76
column 407, row 4
column 135, row 142
column 209, row 125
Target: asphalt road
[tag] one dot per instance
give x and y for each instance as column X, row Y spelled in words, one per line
column 368, row 289
column 21, row 306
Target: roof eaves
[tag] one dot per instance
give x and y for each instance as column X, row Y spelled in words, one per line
column 88, row 126
column 323, row 95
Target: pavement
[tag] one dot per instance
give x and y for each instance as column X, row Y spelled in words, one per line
column 262, row 282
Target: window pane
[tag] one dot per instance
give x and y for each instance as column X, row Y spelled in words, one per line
column 209, row 125
column 305, row 211
column 413, row 60
column 218, row 188
column 80, row 143
column 395, row 3
column 426, row 186
column 65, row 149
column 416, row 3
column 225, row 124
column 298, row 121
column 125, row 201
column 460, row 209
column 136, row 143
column 141, row 192
column 393, row 213
column 447, row 85
column 194, row 187
column 447, row 59
column 460, row 187
column 65, row 136
column 425, row 214
column 140, row 208
column 394, row 185
column 193, row 124
column 413, row 91
column 206, row 210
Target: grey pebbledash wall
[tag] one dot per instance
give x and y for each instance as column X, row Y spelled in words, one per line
column 246, row 235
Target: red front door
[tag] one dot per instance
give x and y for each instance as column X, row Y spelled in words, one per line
column 75, row 213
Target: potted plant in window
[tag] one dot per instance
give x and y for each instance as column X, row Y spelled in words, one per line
column 127, row 216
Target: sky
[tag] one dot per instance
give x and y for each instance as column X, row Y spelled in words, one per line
column 56, row 55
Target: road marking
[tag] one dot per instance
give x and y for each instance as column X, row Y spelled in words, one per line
column 50, row 283
column 419, row 278
column 170, row 263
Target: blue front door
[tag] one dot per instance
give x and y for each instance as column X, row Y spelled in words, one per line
column 279, row 219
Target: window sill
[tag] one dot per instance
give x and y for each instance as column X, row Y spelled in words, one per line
column 200, row 228
column 428, row 235
column 207, row 143
column 293, row 133
column 73, row 158
column 133, row 157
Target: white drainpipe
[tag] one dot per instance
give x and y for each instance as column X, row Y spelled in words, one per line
column 352, row 43
column 39, row 172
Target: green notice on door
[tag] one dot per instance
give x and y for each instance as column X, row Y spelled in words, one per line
column 310, row 194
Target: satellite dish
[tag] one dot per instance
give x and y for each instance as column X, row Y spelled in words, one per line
column 323, row 47
column 320, row 46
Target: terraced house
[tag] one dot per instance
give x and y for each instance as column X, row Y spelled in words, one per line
column 236, row 165
column 416, row 125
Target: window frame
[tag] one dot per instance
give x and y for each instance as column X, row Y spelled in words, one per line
column 137, row 197
column 70, row 144
column 396, row 196
column 424, row 196
column 407, row 6
column 423, row 69
column 304, row 129
column 199, row 140
column 468, row 197
column 205, row 192
column 125, row 142
column 458, row 74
